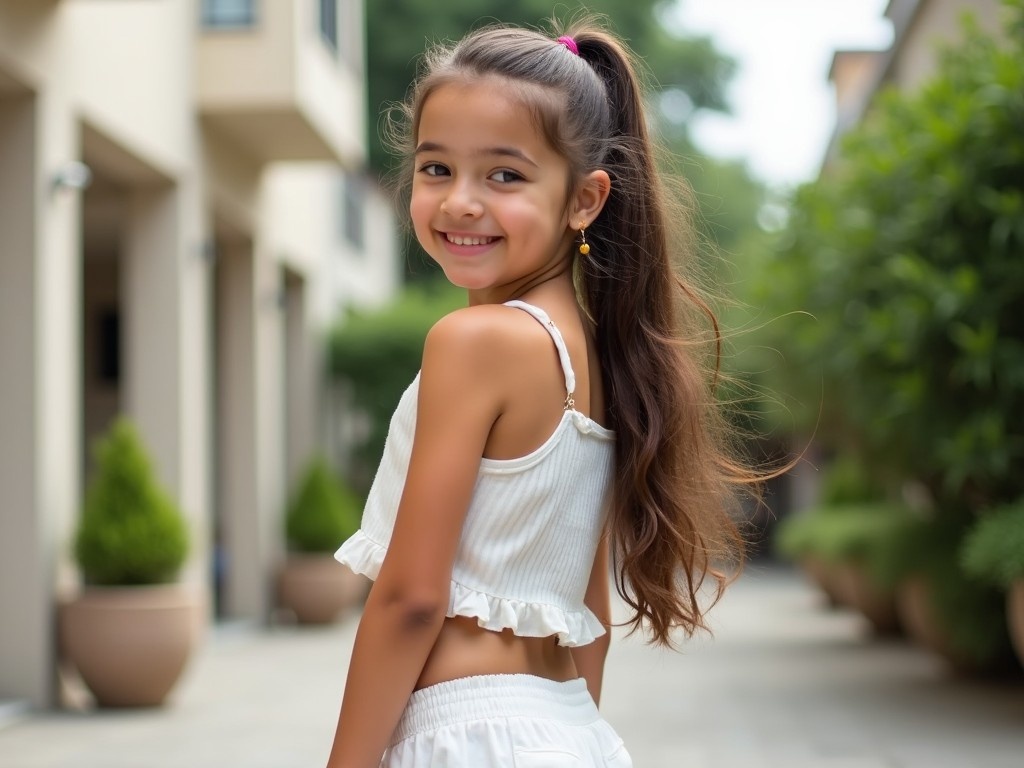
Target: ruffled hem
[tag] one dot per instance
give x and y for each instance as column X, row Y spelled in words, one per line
column 573, row 628
column 362, row 554
column 525, row 619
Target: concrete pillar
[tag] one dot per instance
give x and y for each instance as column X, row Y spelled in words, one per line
column 150, row 326
column 164, row 329
column 251, row 437
column 40, row 286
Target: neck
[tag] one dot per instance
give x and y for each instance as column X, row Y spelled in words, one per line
column 556, row 277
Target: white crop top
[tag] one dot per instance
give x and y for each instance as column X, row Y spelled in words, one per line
column 532, row 528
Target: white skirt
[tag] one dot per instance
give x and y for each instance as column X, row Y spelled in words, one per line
column 506, row 721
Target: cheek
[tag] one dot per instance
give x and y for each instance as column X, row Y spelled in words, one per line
column 420, row 212
column 532, row 216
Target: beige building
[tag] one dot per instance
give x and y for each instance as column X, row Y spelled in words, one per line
column 920, row 28
column 182, row 211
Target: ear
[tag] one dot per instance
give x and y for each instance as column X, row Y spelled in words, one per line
column 589, row 199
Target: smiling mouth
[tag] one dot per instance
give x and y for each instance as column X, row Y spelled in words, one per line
column 469, row 240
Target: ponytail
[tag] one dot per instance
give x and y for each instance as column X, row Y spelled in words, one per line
column 671, row 524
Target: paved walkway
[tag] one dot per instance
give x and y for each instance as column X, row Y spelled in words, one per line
column 784, row 684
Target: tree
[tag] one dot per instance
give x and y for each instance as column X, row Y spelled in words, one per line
column 909, row 257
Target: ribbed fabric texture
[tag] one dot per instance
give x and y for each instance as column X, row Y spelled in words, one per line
column 531, row 530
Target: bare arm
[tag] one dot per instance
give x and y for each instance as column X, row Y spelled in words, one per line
column 407, row 605
column 589, row 659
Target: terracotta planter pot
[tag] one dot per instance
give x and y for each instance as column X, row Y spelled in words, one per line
column 318, row 589
column 916, row 614
column 824, row 575
column 130, row 644
column 1015, row 617
column 877, row 605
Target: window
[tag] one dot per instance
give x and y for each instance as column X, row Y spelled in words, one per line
column 329, row 23
column 109, row 346
column 226, row 14
column 352, row 210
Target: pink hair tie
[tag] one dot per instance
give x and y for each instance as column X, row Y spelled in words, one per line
column 569, row 43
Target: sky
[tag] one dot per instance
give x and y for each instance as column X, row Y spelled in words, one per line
column 783, row 105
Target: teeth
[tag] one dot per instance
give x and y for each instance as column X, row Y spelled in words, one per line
column 459, row 240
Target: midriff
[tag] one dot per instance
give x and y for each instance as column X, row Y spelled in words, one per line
column 465, row 649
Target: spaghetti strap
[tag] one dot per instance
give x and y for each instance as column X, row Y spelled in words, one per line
column 563, row 353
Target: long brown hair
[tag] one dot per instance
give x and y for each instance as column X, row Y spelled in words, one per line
column 671, row 523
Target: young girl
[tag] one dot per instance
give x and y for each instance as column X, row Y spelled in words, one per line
column 558, row 422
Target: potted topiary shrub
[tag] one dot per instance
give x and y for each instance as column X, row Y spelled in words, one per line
column 131, row 629
column 993, row 551
column 798, row 539
column 321, row 515
column 941, row 605
column 850, row 544
column 837, row 545
column 830, row 540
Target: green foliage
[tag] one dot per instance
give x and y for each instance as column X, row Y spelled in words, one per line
column 845, row 532
column 921, row 543
column 848, row 483
column 908, row 256
column 727, row 196
column 894, row 544
column 849, row 521
column 993, row 549
column 130, row 532
column 972, row 613
column 376, row 356
column 323, row 513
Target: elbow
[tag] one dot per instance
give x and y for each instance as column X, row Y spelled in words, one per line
column 416, row 610
column 421, row 615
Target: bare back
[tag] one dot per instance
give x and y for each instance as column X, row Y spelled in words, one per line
column 535, row 400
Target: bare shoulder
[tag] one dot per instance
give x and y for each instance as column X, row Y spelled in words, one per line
column 481, row 339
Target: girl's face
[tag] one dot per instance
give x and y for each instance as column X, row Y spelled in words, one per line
column 489, row 196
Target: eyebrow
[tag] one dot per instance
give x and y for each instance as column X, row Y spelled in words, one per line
column 433, row 146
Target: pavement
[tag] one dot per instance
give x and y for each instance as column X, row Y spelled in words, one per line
column 784, row 683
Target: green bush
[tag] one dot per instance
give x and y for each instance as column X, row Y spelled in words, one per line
column 844, row 532
column 323, row 513
column 972, row 613
column 848, row 523
column 376, row 356
column 130, row 532
column 993, row 549
column 847, row 482
column 907, row 255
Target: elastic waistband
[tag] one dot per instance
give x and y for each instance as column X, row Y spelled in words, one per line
column 489, row 696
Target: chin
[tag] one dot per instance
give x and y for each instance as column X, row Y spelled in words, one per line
column 464, row 281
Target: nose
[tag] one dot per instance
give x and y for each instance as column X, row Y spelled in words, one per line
column 462, row 200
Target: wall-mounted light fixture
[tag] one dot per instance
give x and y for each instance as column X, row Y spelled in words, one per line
column 208, row 252
column 73, row 174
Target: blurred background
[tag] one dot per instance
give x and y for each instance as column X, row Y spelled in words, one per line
column 201, row 262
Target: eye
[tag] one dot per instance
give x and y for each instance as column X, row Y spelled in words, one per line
column 433, row 169
column 505, row 176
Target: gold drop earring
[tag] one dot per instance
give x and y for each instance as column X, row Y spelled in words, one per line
column 584, row 248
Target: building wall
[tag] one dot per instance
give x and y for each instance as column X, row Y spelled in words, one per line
column 935, row 23
column 920, row 28
column 220, row 300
